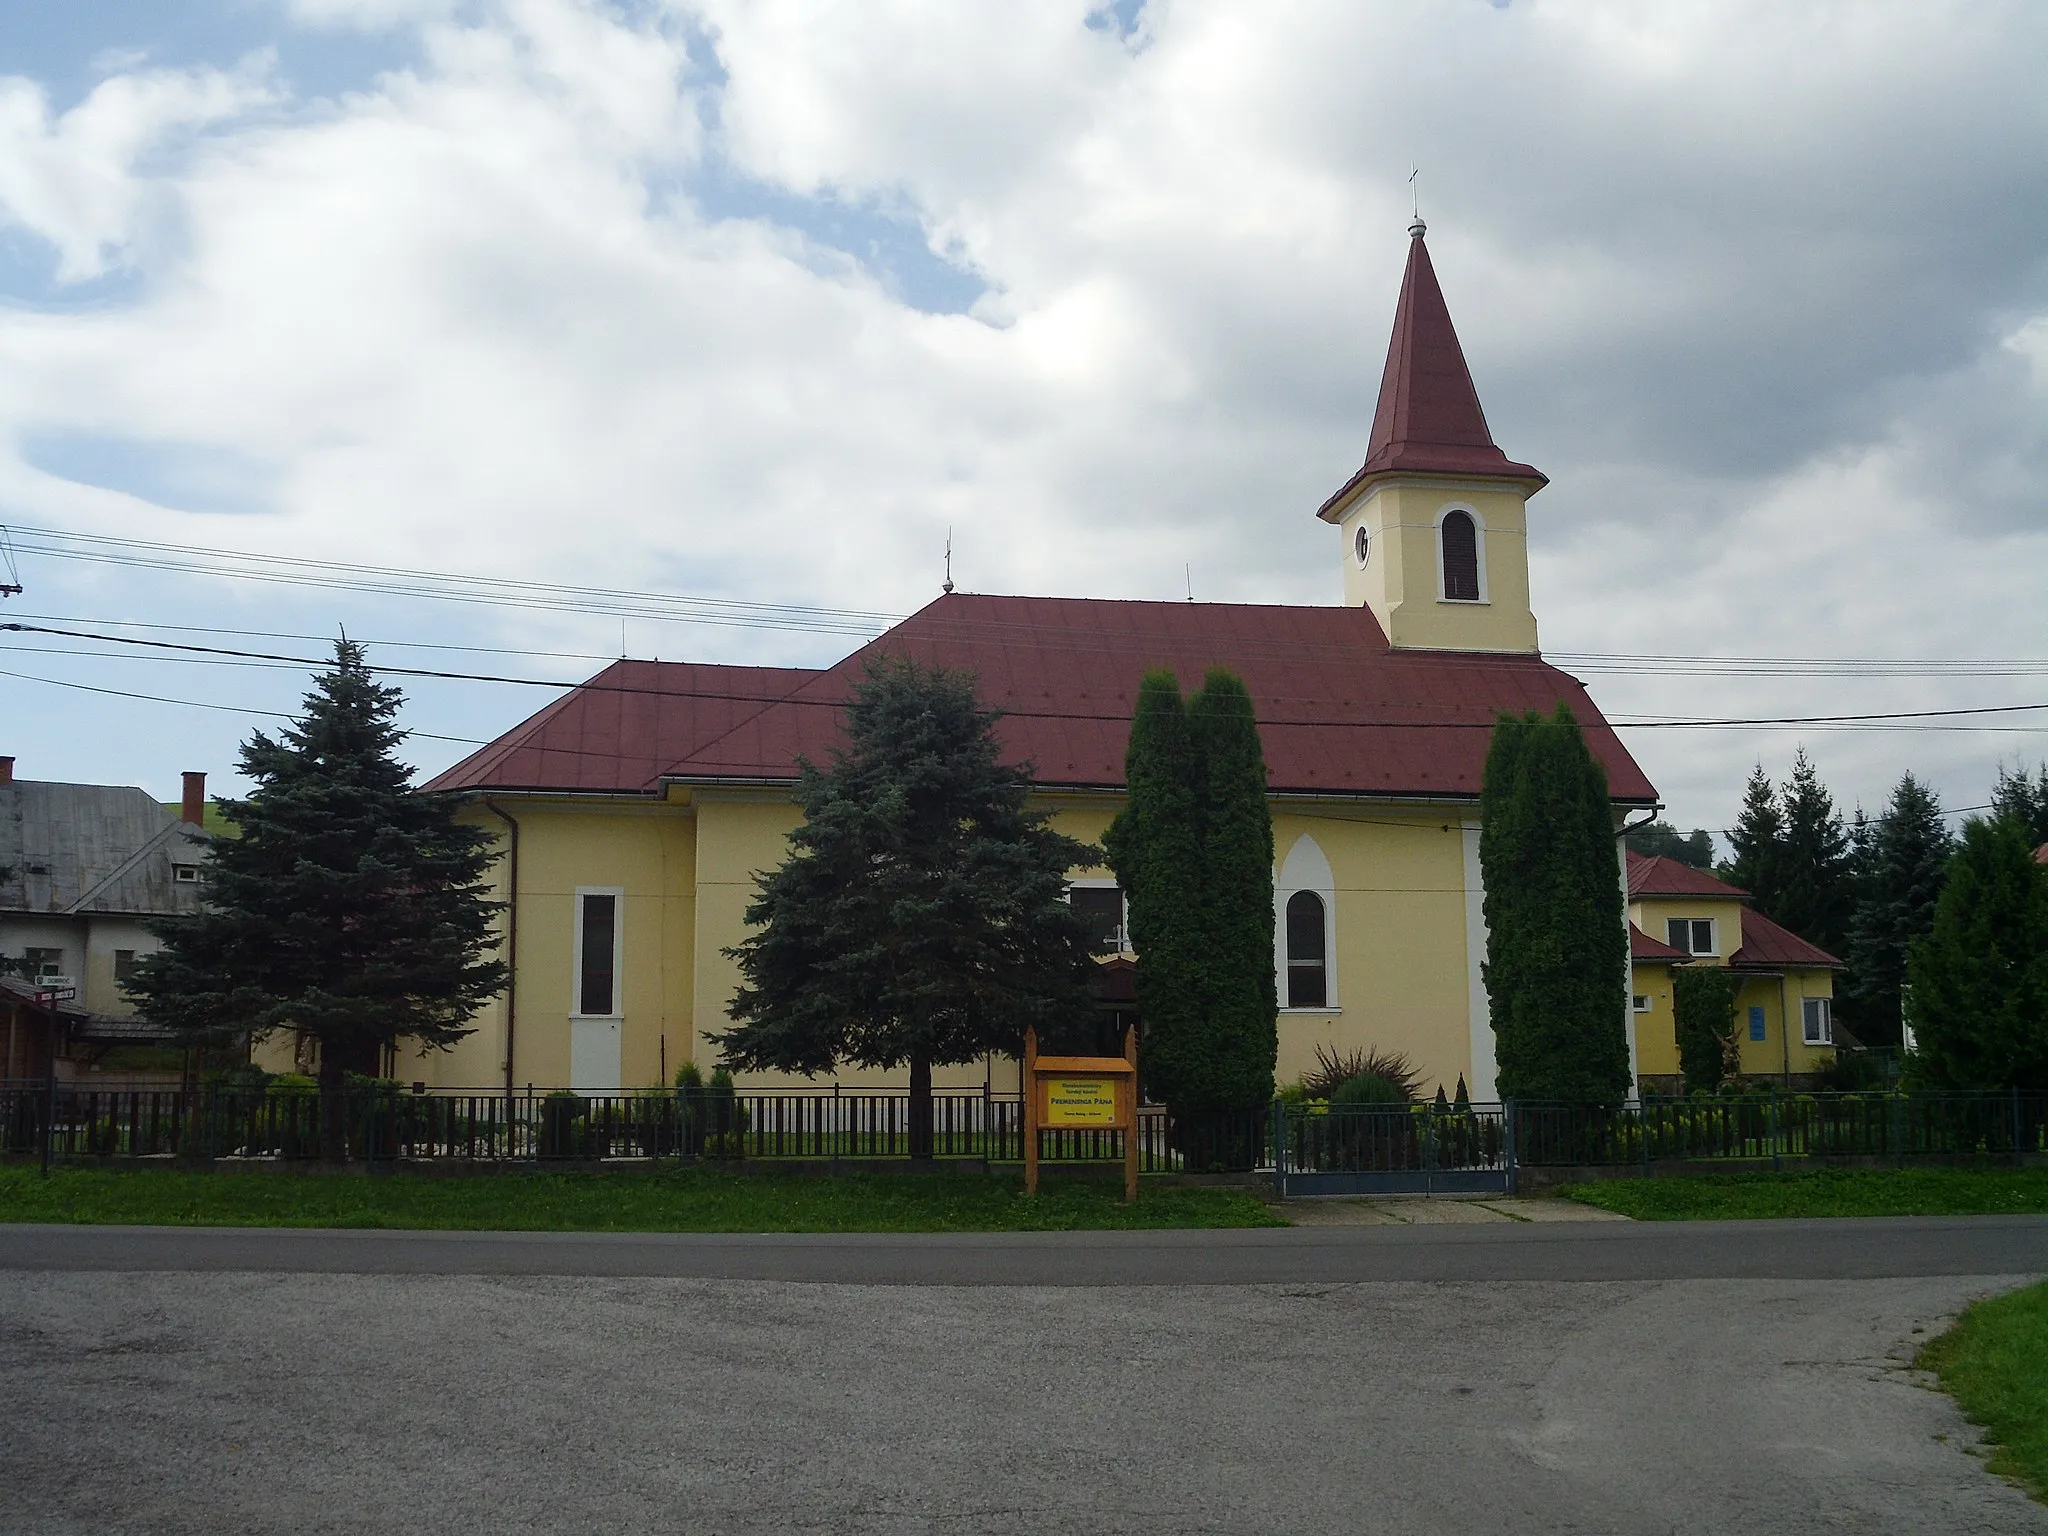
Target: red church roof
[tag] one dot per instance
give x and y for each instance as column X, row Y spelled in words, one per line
column 1339, row 711
column 1429, row 420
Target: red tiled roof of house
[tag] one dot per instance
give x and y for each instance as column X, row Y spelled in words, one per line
column 1660, row 875
column 1339, row 711
column 1429, row 419
column 1767, row 946
column 1642, row 947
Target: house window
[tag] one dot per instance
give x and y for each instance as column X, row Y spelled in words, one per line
column 1103, row 908
column 124, row 967
column 1308, row 974
column 40, row 963
column 1817, row 1020
column 185, row 874
column 597, row 954
column 1694, row 935
column 1640, row 1002
column 1460, row 537
column 1756, row 1022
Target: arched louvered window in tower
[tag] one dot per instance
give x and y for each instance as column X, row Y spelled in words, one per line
column 1308, row 976
column 1461, row 557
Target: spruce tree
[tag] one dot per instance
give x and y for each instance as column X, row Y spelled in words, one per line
column 1193, row 850
column 349, row 908
column 1979, row 1000
column 921, row 917
column 2023, row 801
column 1901, row 878
column 1758, row 840
column 1813, row 898
column 1556, row 967
column 1703, row 1008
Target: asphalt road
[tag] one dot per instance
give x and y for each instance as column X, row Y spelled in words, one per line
column 1774, row 1250
column 312, row 1382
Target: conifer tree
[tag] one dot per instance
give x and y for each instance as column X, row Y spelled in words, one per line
column 1758, row 840
column 1193, row 850
column 1979, row 1000
column 350, row 908
column 921, row 917
column 1903, row 868
column 2023, row 801
column 1556, row 967
column 1813, row 898
column 1703, row 1009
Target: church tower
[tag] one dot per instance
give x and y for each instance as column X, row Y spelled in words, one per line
column 1436, row 520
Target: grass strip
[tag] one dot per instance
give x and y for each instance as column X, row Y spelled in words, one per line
column 1823, row 1192
column 1994, row 1363
column 670, row 1200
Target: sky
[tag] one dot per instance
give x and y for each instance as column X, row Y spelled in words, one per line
column 757, row 302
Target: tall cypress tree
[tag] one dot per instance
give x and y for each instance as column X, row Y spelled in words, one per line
column 921, row 917
column 1814, row 898
column 1758, row 841
column 1703, row 1013
column 1193, row 850
column 1237, row 877
column 1901, row 879
column 349, row 909
column 1979, row 1004
column 1557, row 948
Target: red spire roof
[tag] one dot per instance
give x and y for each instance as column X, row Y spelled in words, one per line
column 1429, row 418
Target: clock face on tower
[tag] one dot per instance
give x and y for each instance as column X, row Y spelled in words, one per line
column 1363, row 544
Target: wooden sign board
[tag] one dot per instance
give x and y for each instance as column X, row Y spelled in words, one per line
column 1081, row 1093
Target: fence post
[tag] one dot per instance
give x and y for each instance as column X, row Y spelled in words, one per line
column 2015, row 1126
column 1280, row 1148
column 1777, row 1142
column 1508, row 1129
column 1643, row 1128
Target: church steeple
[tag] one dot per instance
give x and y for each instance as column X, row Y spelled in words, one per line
column 1434, row 523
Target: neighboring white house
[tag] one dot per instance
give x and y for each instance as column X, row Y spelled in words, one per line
column 84, row 869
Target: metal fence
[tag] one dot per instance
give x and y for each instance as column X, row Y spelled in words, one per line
column 1312, row 1147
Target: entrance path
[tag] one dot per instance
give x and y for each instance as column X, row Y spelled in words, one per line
column 1420, row 1211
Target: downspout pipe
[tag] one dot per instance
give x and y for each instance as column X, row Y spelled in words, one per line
column 511, row 941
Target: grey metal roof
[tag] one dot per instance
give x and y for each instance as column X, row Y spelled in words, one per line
column 79, row 848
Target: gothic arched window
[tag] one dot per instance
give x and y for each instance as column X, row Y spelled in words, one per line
column 1460, row 539
column 1308, row 984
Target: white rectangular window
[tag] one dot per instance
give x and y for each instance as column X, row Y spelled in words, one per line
column 124, row 966
column 1817, row 1016
column 597, row 952
column 41, row 963
column 1641, row 1003
column 1694, row 935
column 185, row 874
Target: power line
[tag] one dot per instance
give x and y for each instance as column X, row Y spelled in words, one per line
column 794, row 697
column 655, row 607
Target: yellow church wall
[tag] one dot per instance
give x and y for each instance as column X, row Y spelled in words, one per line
column 1401, row 580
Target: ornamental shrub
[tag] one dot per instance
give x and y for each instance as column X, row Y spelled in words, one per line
column 1703, row 1001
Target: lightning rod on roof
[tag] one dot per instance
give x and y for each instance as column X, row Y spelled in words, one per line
column 1189, row 572
column 1418, row 228
column 947, row 584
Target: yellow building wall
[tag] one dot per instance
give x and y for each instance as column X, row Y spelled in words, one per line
column 1650, row 913
column 1657, row 1027
column 1401, row 580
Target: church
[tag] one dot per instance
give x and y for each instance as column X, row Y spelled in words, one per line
column 635, row 811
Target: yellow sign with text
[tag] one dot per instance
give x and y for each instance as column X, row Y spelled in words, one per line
column 1080, row 1101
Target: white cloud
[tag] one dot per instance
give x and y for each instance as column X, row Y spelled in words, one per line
column 80, row 180
column 1763, row 291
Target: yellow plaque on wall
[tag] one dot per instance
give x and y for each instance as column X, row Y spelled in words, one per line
column 1080, row 1101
